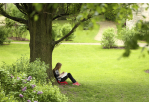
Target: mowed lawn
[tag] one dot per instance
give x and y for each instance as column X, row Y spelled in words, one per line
column 103, row 78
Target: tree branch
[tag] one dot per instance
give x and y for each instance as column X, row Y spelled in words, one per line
column 24, row 5
column 60, row 16
column 67, row 8
column 20, row 20
column 29, row 7
column 76, row 25
column 21, row 8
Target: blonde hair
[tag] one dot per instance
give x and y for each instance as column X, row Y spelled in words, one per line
column 57, row 67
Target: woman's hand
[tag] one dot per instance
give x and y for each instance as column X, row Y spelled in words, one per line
column 62, row 73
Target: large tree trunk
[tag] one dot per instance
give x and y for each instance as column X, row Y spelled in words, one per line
column 41, row 45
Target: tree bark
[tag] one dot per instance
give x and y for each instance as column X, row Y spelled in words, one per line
column 41, row 44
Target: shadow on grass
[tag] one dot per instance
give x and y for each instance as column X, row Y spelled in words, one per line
column 101, row 92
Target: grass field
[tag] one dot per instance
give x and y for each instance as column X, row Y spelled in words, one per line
column 101, row 75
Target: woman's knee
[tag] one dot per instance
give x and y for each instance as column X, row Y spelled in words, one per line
column 69, row 74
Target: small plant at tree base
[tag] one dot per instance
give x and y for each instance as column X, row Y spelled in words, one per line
column 66, row 28
column 107, row 40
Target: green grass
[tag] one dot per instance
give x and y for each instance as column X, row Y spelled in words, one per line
column 101, row 75
column 10, row 53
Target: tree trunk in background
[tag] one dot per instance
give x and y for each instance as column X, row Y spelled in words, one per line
column 41, row 45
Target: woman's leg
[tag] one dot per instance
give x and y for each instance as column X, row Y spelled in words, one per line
column 64, row 79
column 70, row 77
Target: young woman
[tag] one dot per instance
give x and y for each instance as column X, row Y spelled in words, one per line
column 63, row 76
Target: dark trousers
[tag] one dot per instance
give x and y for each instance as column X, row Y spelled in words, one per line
column 68, row 76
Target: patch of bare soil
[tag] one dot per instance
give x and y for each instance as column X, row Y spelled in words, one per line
column 18, row 38
column 115, row 47
column 147, row 71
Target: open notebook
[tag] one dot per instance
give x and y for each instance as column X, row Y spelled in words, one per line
column 65, row 74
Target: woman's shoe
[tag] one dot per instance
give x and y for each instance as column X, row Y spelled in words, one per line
column 76, row 84
column 79, row 84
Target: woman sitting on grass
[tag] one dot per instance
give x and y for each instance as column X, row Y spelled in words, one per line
column 63, row 76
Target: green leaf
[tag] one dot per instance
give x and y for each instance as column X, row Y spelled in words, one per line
column 146, row 8
column 98, row 9
column 144, row 16
column 115, row 6
column 135, row 6
column 103, row 9
column 36, row 17
column 55, row 5
column 106, row 5
column 38, row 6
column 32, row 14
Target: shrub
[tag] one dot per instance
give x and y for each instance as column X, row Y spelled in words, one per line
column 56, row 31
column 5, row 80
column 35, row 69
column 8, row 40
column 107, row 40
column 4, row 98
column 127, row 34
column 25, row 89
column 3, row 34
column 66, row 28
column 18, row 85
column 17, row 31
